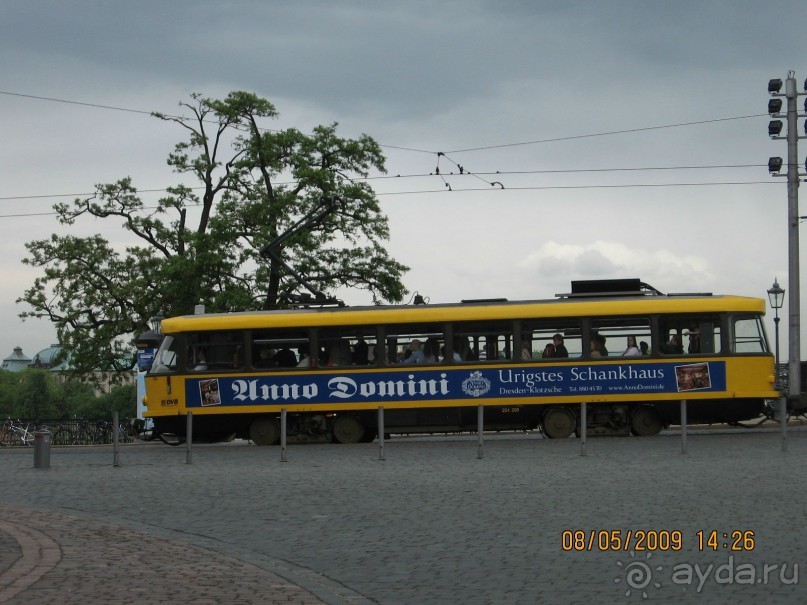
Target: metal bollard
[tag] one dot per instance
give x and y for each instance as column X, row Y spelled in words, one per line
column 42, row 449
column 115, row 454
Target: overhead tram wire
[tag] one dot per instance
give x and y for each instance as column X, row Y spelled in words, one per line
column 476, row 189
column 550, row 187
column 414, row 149
column 558, row 139
column 557, row 171
column 411, row 149
column 110, row 107
column 462, row 170
column 170, row 116
column 65, row 101
column 427, row 175
column 77, row 195
column 603, row 134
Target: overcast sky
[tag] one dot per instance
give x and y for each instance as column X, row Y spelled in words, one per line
column 508, row 89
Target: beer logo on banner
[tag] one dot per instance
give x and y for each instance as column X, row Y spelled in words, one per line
column 475, row 385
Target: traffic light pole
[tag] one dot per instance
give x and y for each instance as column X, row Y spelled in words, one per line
column 794, row 300
column 794, row 297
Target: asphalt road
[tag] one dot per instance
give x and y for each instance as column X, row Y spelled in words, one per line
column 532, row 521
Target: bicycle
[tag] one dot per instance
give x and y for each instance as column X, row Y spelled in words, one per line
column 99, row 432
column 59, row 435
column 125, row 434
column 86, row 434
column 15, row 435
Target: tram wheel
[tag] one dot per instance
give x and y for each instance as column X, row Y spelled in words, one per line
column 265, row 431
column 348, row 429
column 369, row 436
column 645, row 422
column 559, row 423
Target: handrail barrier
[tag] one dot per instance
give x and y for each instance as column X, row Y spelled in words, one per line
column 78, row 431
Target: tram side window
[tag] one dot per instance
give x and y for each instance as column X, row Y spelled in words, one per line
column 483, row 341
column 279, row 349
column 690, row 335
column 215, row 351
column 749, row 335
column 347, row 346
column 165, row 359
column 539, row 339
column 415, row 344
column 620, row 337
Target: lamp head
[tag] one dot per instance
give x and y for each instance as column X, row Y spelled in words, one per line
column 776, row 295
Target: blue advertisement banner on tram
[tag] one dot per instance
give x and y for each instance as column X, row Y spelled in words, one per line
column 455, row 383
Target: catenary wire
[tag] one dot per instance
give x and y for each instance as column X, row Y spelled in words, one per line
column 417, row 150
column 427, row 175
column 476, row 189
column 603, row 134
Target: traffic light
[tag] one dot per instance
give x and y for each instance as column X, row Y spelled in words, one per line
column 786, row 115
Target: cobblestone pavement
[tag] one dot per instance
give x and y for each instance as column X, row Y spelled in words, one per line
column 430, row 524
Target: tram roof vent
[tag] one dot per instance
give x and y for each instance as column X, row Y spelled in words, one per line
column 610, row 287
column 482, row 300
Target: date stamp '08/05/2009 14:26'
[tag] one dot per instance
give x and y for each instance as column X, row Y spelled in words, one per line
column 624, row 540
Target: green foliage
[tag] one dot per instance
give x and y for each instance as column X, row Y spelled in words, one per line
column 28, row 394
column 35, row 395
column 9, row 383
column 120, row 399
column 74, row 397
column 39, row 395
column 254, row 184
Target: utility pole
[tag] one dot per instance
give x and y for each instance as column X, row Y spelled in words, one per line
column 793, row 177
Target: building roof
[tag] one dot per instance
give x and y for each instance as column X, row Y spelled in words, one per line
column 17, row 361
column 46, row 357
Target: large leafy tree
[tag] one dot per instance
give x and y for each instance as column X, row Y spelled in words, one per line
column 201, row 244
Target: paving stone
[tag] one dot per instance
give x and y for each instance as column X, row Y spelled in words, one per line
column 430, row 524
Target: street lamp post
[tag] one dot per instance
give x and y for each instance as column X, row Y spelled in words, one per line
column 776, row 296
